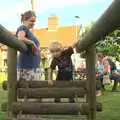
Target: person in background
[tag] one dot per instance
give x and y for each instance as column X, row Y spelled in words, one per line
column 61, row 58
column 103, row 69
column 114, row 74
column 28, row 63
column 117, row 62
column 45, row 61
column 99, row 74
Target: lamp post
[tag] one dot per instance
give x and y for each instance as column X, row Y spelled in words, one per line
column 32, row 5
column 76, row 24
column 75, row 56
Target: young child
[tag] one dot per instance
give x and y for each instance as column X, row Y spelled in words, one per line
column 62, row 60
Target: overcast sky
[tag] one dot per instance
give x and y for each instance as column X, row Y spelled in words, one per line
column 66, row 10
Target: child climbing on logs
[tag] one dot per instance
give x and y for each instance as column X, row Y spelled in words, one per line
column 61, row 58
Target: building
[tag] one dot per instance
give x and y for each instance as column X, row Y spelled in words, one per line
column 67, row 35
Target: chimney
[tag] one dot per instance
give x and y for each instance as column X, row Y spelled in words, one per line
column 53, row 23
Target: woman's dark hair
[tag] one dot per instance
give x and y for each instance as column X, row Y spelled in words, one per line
column 27, row 15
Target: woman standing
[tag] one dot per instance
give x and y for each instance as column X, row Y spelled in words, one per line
column 28, row 63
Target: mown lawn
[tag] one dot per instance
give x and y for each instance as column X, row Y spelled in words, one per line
column 111, row 102
column 3, row 98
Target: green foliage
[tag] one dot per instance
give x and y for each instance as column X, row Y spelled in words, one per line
column 3, row 104
column 110, row 45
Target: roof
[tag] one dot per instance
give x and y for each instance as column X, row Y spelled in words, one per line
column 65, row 34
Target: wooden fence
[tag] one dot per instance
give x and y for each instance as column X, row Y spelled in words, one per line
column 108, row 22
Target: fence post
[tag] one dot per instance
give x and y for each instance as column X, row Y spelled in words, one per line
column 12, row 79
column 91, row 82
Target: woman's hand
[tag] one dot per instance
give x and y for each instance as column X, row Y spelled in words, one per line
column 22, row 36
column 35, row 50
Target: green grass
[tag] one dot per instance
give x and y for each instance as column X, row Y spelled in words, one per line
column 3, row 98
column 111, row 110
column 3, row 116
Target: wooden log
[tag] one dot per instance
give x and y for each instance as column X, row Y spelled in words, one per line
column 102, row 27
column 91, row 82
column 7, row 38
column 25, row 118
column 60, row 84
column 12, row 79
column 30, row 118
column 46, row 108
column 41, row 84
column 50, row 108
column 50, row 92
column 46, row 117
column 85, row 108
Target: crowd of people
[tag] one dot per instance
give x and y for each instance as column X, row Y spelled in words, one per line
column 107, row 71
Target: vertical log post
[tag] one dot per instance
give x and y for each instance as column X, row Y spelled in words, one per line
column 91, row 82
column 12, row 79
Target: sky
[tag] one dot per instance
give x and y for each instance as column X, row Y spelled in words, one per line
column 66, row 10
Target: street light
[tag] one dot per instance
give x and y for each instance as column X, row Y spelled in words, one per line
column 75, row 56
column 32, row 5
column 76, row 24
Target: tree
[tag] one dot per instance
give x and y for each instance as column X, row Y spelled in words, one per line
column 110, row 45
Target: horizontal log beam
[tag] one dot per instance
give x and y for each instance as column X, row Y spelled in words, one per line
column 21, row 118
column 44, row 117
column 60, row 84
column 7, row 38
column 109, row 21
column 51, row 108
column 50, row 92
